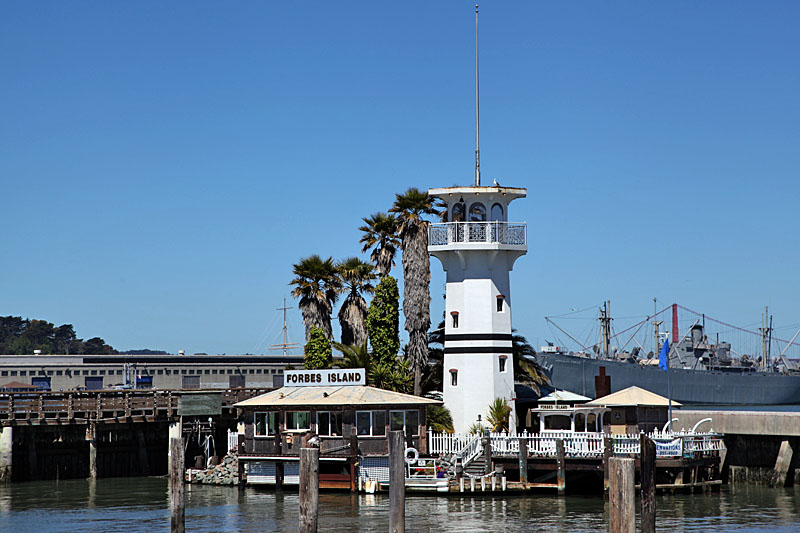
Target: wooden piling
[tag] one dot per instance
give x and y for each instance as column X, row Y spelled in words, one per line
column 93, row 458
column 397, row 483
column 523, row 460
column 621, row 495
column 487, row 452
column 561, row 466
column 608, row 453
column 309, row 489
column 141, row 452
column 353, row 459
column 6, row 453
column 647, row 471
column 782, row 463
column 176, row 485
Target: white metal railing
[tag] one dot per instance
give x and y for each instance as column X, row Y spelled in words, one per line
column 494, row 232
column 576, row 444
column 470, row 451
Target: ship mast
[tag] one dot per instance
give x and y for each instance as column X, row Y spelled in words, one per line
column 286, row 344
column 605, row 327
column 656, row 324
column 766, row 338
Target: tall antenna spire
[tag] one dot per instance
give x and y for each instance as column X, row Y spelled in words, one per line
column 477, row 115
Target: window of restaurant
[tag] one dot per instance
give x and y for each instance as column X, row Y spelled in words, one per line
column 405, row 421
column 329, row 423
column 371, row 423
column 266, row 424
column 298, row 420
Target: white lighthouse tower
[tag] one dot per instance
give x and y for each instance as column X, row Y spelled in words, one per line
column 477, row 247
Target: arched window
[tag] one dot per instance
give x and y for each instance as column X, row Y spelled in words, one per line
column 497, row 213
column 477, row 212
column 458, row 212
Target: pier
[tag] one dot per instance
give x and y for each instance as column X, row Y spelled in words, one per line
column 555, row 460
column 91, row 434
column 761, row 447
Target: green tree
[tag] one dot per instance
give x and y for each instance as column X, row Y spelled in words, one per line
column 410, row 208
column 40, row 335
column 316, row 283
column 440, row 419
column 389, row 375
column 318, row 352
column 433, row 375
column 383, row 321
column 63, row 338
column 354, row 356
column 498, row 415
column 97, row 346
column 380, row 235
column 356, row 277
column 526, row 369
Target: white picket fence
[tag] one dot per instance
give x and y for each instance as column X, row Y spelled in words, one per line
column 576, row 444
column 233, row 440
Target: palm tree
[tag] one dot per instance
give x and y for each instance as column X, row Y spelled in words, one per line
column 355, row 276
column 380, row 234
column 410, row 207
column 440, row 419
column 526, row 369
column 316, row 284
column 498, row 415
column 434, row 370
column 355, row 356
column 392, row 376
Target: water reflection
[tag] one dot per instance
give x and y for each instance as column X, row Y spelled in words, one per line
column 142, row 504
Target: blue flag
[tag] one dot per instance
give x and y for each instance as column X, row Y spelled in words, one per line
column 663, row 363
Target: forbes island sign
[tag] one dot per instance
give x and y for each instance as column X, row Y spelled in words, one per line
column 324, row 378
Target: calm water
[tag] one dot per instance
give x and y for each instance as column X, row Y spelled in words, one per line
column 141, row 504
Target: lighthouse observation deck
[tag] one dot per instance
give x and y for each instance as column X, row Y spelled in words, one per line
column 477, row 235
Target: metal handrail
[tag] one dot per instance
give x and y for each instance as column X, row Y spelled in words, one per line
column 492, row 232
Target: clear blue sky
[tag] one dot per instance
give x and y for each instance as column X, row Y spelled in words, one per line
column 163, row 165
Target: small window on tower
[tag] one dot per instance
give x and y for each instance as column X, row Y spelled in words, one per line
column 454, row 378
column 454, row 314
column 502, row 361
column 500, row 303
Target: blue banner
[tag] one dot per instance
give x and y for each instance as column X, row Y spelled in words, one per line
column 663, row 362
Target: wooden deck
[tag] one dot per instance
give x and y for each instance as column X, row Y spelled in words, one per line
column 109, row 406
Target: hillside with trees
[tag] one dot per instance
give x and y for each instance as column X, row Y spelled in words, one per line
column 21, row 336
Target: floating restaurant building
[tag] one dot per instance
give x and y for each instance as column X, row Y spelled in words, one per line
column 351, row 420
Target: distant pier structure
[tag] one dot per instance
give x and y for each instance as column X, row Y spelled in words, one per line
column 477, row 246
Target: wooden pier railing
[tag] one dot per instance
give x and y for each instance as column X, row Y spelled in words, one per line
column 77, row 407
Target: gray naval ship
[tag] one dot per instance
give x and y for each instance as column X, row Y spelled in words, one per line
column 700, row 372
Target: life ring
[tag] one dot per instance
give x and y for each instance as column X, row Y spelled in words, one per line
column 414, row 456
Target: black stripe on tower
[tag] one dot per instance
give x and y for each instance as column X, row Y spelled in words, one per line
column 479, row 337
column 478, row 349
